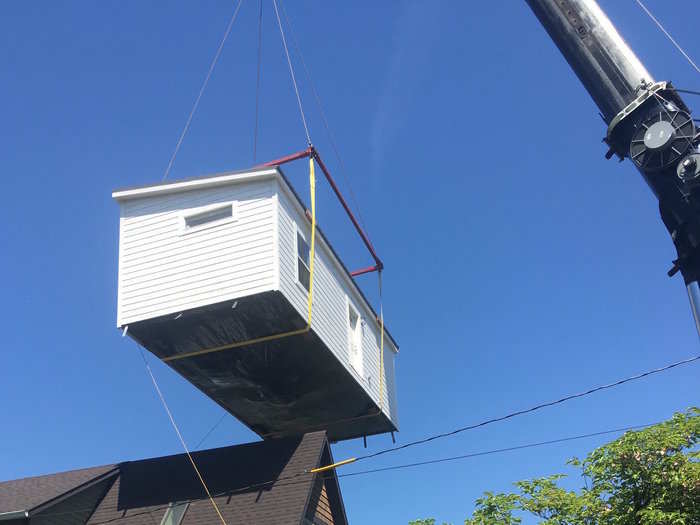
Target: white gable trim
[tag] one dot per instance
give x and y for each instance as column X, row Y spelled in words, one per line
column 194, row 184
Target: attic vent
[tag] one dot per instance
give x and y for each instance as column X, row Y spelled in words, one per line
column 208, row 217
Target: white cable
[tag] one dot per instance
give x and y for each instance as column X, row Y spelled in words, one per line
column 329, row 133
column 201, row 90
column 690, row 60
column 291, row 71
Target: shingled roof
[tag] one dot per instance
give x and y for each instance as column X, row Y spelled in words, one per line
column 27, row 494
column 265, row 483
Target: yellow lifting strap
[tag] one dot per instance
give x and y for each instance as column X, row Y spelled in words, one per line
column 381, row 345
column 312, row 252
column 333, row 465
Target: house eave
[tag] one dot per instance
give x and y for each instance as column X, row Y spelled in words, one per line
column 194, row 183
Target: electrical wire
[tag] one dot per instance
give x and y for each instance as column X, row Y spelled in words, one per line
column 528, row 410
column 668, row 35
column 204, row 438
column 291, row 478
column 322, row 113
column 291, row 72
column 494, row 451
column 257, row 83
column 179, row 435
column 201, row 90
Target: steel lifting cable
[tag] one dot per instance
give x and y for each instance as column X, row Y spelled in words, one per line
column 668, row 35
column 201, row 90
column 322, row 113
column 274, row 337
column 291, row 72
column 257, row 83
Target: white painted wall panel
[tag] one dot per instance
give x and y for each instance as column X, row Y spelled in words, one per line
column 332, row 289
column 163, row 270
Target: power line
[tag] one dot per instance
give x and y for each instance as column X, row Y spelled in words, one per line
column 291, row 72
column 529, row 410
column 204, row 438
column 501, row 418
column 494, row 451
column 668, row 35
column 201, row 90
column 290, row 478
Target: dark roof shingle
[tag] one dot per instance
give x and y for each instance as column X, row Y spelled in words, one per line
column 237, row 476
column 28, row 493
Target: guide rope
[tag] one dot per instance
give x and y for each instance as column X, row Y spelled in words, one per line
column 274, row 337
column 668, row 35
column 201, row 90
column 179, row 435
column 291, row 72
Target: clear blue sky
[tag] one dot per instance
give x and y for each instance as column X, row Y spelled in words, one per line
column 521, row 265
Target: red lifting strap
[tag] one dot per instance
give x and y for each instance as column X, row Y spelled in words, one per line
column 311, row 152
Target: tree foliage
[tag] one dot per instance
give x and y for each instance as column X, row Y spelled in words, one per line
column 646, row 477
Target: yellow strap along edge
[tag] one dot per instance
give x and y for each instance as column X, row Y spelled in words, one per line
column 312, row 256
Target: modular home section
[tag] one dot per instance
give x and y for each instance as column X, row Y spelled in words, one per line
column 185, row 249
column 209, row 266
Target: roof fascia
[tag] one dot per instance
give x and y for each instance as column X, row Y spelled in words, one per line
column 325, row 448
column 192, row 184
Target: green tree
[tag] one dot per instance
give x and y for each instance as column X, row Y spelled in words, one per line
column 647, row 477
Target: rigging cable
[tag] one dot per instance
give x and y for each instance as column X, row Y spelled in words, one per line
column 179, row 435
column 201, row 90
column 322, row 113
column 668, row 35
column 257, row 83
column 291, row 72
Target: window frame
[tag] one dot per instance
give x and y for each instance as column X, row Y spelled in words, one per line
column 203, row 210
column 352, row 335
column 297, row 258
column 169, row 510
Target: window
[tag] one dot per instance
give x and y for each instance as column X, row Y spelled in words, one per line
column 355, row 339
column 174, row 513
column 303, row 262
column 208, row 217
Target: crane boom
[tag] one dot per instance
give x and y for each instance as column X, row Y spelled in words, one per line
column 648, row 121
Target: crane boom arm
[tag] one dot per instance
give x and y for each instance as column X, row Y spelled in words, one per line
column 648, row 122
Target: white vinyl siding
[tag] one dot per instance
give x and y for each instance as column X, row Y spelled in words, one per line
column 332, row 289
column 166, row 267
